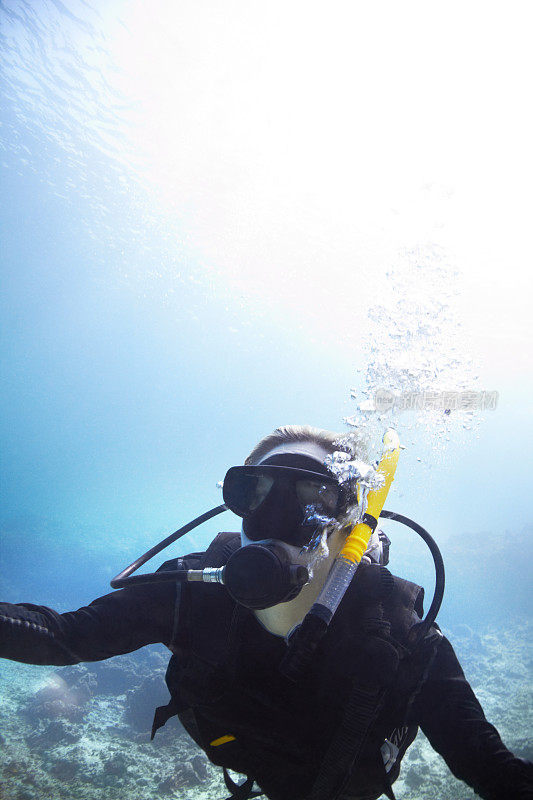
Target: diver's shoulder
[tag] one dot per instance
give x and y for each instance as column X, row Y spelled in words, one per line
column 189, row 561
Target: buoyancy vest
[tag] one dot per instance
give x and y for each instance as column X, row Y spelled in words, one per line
column 231, row 698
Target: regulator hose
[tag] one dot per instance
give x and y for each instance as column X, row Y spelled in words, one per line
column 122, row 580
column 125, row 577
column 421, row 629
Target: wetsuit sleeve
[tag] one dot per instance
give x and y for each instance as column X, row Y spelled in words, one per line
column 111, row 625
column 451, row 717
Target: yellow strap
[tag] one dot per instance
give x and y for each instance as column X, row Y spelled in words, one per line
column 222, row 740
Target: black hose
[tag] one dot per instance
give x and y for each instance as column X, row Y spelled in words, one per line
column 421, row 629
column 150, row 577
column 123, row 579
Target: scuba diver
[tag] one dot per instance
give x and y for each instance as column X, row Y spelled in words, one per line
column 309, row 668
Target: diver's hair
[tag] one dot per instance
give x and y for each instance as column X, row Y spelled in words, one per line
column 348, row 442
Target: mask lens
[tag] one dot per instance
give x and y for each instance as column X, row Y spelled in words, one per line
column 246, row 489
column 315, row 493
column 244, row 492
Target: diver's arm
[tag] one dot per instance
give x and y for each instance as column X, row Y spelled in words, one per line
column 452, row 719
column 111, row 625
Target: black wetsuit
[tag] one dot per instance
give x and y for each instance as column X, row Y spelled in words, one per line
column 445, row 708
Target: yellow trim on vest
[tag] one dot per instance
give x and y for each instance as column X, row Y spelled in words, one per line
column 222, row 740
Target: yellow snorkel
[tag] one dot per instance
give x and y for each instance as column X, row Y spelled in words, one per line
column 313, row 627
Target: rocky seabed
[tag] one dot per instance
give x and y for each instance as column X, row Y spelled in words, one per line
column 83, row 732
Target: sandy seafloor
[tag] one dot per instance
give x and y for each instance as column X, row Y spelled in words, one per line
column 95, row 743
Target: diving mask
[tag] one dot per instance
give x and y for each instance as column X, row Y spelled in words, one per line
column 282, row 502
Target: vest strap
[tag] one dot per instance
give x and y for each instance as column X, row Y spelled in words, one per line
column 239, row 791
column 162, row 715
column 362, row 710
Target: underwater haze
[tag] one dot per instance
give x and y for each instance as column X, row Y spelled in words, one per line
column 221, row 218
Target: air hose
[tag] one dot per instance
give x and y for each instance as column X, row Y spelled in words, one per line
column 418, row 632
column 123, row 579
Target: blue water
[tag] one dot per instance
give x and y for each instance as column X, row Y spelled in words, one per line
column 156, row 325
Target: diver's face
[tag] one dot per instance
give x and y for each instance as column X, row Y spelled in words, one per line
column 293, row 506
